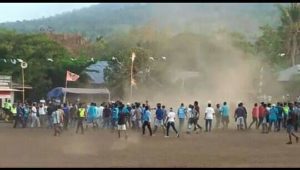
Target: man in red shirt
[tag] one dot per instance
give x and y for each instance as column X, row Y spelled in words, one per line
column 261, row 114
column 255, row 113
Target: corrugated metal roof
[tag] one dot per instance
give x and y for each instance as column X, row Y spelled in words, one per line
column 96, row 72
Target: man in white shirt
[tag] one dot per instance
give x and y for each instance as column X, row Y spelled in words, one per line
column 42, row 114
column 209, row 115
column 171, row 122
column 35, row 119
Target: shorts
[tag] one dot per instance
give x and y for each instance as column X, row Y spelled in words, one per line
column 225, row 119
column 290, row 128
column 240, row 121
column 159, row 122
column 122, row 127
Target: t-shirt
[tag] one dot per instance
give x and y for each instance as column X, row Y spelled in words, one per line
column 100, row 111
column 133, row 114
column 209, row 112
column 42, row 111
column 66, row 111
column 190, row 112
column 181, row 112
column 171, row 116
column 273, row 113
column 122, row 118
column 92, row 112
column 138, row 113
column 147, row 116
column 33, row 111
column 240, row 112
column 225, row 111
column 261, row 111
column 55, row 117
column 255, row 112
column 106, row 112
column 159, row 114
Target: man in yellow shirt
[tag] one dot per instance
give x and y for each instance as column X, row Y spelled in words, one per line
column 81, row 117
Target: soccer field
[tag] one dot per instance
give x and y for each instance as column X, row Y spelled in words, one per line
column 102, row 148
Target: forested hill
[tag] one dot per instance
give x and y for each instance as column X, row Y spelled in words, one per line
column 104, row 19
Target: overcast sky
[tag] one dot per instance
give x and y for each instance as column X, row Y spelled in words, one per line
column 27, row 11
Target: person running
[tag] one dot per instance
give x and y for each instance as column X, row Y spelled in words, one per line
column 265, row 119
column 181, row 115
column 66, row 110
column 147, row 120
column 261, row 113
column 291, row 120
column 239, row 116
column 196, row 111
column 218, row 116
column 209, row 115
column 115, row 113
column 133, row 117
column 60, row 113
column 285, row 114
column 296, row 111
column 165, row 115
column 159, row 118
column 171, row 122
column 92, row 115
column 26, row 115
column 73, row 115
column 56, row 122
column 50, row 109
column 225, row 115
column 35, row 119
column 13, row 110
column 255, row 113
column 42, row 114
column 122, row 121
column 190, row 114
column 245, row 116
column 19, row 115
column 138, row 114
column 279, row 116
column 106, row 117
column 81, row 116
column 273, row 117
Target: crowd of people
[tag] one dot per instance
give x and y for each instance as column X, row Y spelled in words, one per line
column 137, row 116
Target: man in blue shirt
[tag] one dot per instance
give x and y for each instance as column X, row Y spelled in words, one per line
column 66, row 115
column 115, row 113
column 159, row 118
column 225, row 115
column 92, row 115
column 147, row 120
column 273, row 117
column 181, row 115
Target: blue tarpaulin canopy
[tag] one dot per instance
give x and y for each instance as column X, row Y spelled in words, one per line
column 59, row 92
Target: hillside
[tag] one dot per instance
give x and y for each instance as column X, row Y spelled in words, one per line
column 105, row 19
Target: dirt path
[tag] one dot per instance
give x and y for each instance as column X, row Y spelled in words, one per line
column 38, row 148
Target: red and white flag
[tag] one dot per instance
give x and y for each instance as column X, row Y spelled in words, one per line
column 72, row 76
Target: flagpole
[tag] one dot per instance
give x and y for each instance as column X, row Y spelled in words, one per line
column 131, row 74
column 65, row 93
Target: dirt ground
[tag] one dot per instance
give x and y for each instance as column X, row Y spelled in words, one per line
column 101, row 148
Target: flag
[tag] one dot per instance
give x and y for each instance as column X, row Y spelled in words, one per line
column 133, row 57
column 72, row 76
